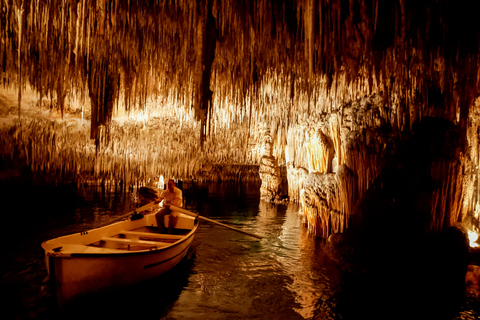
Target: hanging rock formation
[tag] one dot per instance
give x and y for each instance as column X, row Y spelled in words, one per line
column 128, row 91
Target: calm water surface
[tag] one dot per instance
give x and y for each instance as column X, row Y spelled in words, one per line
column 226, row 275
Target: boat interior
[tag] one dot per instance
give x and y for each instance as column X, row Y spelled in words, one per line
column 126, row 236
column 144, row 238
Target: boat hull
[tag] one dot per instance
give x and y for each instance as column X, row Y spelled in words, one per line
column 77, row 274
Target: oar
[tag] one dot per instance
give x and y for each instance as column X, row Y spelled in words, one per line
column 138, row 210
column 175, row 208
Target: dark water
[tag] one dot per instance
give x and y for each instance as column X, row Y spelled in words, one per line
column 226, row 275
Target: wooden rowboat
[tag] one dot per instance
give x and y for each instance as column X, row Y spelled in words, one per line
column 118, row 255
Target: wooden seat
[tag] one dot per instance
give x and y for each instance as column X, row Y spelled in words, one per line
column 76, row 248
column 150, row 235
column 90, row 249
column 134, row 242
column 129, row 244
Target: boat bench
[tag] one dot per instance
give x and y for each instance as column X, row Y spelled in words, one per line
column 158, row 237
column 78, row 248
column 123, row 241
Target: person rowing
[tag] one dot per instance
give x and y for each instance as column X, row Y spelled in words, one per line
column 171, row 196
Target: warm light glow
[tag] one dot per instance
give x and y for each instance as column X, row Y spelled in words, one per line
column 319, row 152
column 161, row 182
column 472, row 238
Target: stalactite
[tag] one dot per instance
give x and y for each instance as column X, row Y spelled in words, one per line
column 19, row 12
column 447, row 199
column 335, row 128
column 288, row 64
column 319, row 152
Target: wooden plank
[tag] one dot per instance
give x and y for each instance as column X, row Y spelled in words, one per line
column 90, row 249
column 151, row 235
column 135, row 242
column 76, row 248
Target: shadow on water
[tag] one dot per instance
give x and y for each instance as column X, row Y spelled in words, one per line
column 32, row 214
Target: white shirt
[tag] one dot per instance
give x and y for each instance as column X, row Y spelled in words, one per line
column 174, row 197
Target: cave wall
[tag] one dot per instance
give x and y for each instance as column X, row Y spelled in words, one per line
column 431, row 174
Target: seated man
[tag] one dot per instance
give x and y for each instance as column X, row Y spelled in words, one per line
column 172, row 195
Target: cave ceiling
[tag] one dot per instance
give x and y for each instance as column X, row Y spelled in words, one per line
column 209, row 78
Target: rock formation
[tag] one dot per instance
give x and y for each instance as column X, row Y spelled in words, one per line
column 352, row 94
column 272, row 175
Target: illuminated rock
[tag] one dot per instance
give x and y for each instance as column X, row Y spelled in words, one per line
column 272, row 175
column 166, row 88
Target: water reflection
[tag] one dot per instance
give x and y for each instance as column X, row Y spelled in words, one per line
column 241, row 277
column 228, row 275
